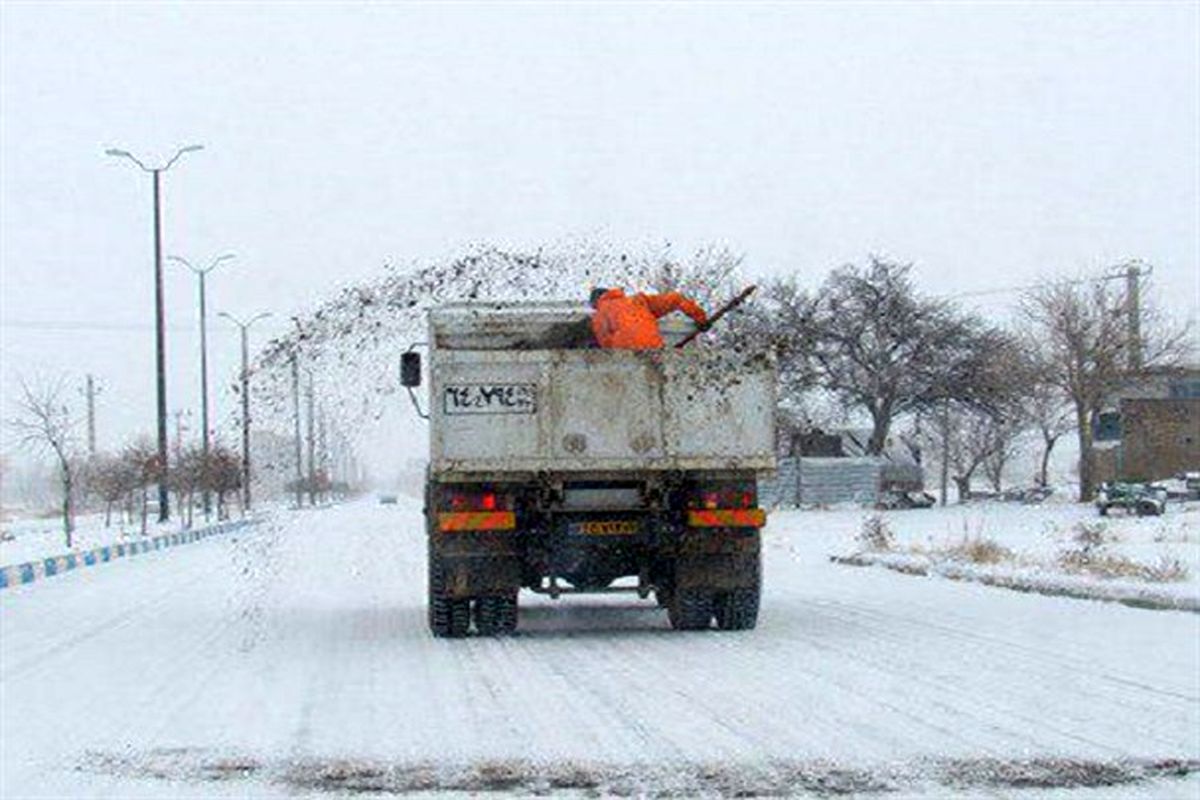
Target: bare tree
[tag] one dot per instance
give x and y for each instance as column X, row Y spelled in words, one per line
column 1003, row 440
column 223, row 476
column 1045, row 406
column 965, row 437
column 141, row 459
column 1085, row 330
column 868, row 337
column 44, row 424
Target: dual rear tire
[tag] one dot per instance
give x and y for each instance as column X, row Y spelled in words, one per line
column 450, row 618
column 696, row 609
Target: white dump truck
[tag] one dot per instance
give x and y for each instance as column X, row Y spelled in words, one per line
column 558, row 467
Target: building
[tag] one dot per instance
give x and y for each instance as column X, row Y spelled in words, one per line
column 1150, row 429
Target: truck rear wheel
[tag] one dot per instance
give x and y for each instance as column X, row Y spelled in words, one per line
column 737, row 610
column 690, row 609
column 496, row 616
column 448, row 618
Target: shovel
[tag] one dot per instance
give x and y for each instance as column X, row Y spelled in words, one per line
column 720, row 312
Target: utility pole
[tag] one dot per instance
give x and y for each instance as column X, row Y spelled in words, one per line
column 164, row 510
column 323, row 445
column 244, row 329
column 90, row 392
column 296, row 423
column 312, row 444
column 205, row 432
column 1133, row 311
column 945, row 476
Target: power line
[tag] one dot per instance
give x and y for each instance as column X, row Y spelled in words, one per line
column 1028, row 287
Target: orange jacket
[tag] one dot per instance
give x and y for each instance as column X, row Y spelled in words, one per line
column 631, row 323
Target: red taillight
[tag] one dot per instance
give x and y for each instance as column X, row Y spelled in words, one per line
column 476, row 500
column 733, row 495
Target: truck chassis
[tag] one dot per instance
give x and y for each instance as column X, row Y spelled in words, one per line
column 701, row 562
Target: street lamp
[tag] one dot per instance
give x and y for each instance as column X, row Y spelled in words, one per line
column 245, row 326
column 200, row 273
column 164, row 512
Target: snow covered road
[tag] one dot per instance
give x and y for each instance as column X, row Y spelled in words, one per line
column 295, row 660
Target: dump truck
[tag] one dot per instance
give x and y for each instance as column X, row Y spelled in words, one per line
column 558, row 467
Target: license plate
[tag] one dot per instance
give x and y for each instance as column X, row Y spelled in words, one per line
column 608, row 527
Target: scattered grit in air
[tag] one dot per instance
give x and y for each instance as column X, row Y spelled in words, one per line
column 350, row 344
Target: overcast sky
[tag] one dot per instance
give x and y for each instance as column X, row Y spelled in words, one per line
column 992, row 145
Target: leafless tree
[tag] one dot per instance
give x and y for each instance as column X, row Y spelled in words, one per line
column 223, row 476
column 141, row 459
column 965, row 437
column 1085, row 331
column 44, row 424
column 1047, row 408
column 868, row 337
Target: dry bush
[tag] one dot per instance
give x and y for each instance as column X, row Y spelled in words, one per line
column 875, row 535
column 1168, row 569
column 1091, row 535
column 979, row 550
column 1110, row 565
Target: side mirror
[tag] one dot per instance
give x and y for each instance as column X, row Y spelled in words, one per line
column 410, row 369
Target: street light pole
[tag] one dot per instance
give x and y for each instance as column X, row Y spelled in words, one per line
column 206, row 434
column 245, row 327
column 164, row 511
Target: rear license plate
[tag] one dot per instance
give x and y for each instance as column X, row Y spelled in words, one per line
column 608, row 527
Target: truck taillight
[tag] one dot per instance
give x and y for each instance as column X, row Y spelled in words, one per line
column 730, row 495
column 477, row 499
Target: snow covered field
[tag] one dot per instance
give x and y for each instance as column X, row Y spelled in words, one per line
column 294, row 662
column 1034, row 542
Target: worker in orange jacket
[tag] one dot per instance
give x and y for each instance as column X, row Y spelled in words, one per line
column 631, row 323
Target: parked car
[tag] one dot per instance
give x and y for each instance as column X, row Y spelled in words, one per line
column 388, row 499
column 1143, row 499
column 896, row 499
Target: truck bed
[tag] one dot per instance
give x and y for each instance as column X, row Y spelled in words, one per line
column 591, row 410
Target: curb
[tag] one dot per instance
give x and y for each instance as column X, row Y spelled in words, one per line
column 1154, row 601
column 42, row 568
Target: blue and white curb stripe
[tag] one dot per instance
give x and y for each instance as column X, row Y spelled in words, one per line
column 30, row 571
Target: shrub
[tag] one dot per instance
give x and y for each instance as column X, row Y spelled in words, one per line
column 875, row 535
column 1090, row 536
column 1110, row 565
column 979, row 550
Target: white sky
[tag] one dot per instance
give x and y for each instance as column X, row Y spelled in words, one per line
column 992, row 145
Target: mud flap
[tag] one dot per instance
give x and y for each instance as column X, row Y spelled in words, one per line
column 479, row 564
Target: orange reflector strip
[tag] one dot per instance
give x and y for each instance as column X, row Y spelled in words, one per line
column 477, row 521
column 728, row 518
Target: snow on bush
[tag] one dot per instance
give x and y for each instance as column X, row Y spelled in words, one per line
column 875, row 536
column 978, row 550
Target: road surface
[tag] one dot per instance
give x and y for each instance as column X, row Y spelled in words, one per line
column 295, row 661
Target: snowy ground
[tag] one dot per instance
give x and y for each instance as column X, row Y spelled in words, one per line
column 29, row 538
column 1035, row 536
column 294, row 662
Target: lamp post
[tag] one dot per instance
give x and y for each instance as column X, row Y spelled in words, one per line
column 245, row 327
column 164, row 511
column 205, row 435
